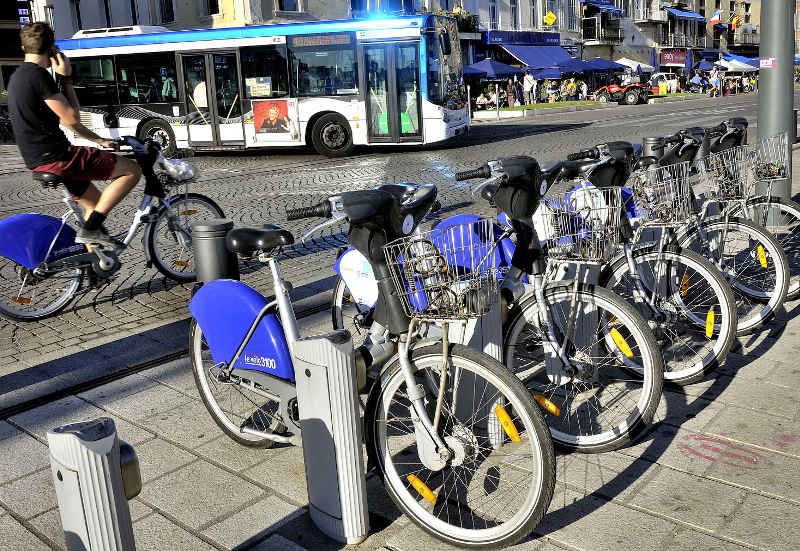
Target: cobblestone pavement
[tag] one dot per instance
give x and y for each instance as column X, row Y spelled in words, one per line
column 720, row 471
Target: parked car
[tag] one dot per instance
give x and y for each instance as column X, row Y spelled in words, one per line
column 630, row 94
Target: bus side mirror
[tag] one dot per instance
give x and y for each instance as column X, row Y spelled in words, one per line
column 444, row 43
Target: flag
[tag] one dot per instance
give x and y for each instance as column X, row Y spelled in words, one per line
column 734, row 22
column 714, row 18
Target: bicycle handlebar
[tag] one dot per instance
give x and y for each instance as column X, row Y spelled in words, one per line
column 674, row 139
column 719, row 129
column 322, row 210
column 585, row 154
column 482, row 172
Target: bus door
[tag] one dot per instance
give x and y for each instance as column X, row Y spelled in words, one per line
column 393, row 95
column 213, row 99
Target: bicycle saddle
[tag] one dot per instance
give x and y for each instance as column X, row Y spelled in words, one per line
column 246, row 241
column 48, row 179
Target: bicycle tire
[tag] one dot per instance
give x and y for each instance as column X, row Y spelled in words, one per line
column 358, row 329
column 186, row 255
column 633, row 329
column 11, row 280
column 722, row 301
column 787, row 232
column 539, row 472
column 227, row 419
column 763, row 257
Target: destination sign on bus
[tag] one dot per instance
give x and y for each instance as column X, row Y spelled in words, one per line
column 320, row 40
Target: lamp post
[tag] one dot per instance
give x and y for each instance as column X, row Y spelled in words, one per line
column 776, row 87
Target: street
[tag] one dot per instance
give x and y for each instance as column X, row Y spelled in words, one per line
column 719, row 471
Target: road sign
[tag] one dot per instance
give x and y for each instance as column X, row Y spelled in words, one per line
column 550, row 18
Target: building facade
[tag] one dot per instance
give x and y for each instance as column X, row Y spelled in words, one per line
column 13, row 14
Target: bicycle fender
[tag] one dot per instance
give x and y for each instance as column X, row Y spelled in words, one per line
column 225, row 310
column 356, row 272
column 25, row 239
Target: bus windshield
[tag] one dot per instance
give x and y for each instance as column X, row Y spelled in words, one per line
column 445, row 82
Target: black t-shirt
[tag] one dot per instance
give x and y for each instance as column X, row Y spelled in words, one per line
column 36, row 130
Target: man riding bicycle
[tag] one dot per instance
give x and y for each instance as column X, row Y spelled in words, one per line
column 37, row 107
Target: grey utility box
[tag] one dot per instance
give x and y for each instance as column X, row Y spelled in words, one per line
column 94, row 475
column 331, row 426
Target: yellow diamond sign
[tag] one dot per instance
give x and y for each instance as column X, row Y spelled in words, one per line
column 550, row 18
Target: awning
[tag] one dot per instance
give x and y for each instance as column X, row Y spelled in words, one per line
column 490, row 68
column 540, row 74
column 708, row 54
column 602, row 64
column 540, row 57
column 603, row 6
column 633, row 64
column 685, row 14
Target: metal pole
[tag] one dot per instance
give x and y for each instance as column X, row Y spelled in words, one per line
column 497, row 99
column 776, row 89
column 469, row 102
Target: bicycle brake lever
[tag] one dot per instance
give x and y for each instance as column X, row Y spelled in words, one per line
column 336, row 218
column 492, row 180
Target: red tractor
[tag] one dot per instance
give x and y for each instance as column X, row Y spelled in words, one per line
column 630, row 94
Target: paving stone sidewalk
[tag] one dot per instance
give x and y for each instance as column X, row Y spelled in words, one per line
column 720, row 471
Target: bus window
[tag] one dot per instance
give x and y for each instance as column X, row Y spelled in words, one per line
column 265, row 71
column 323, row 64
column 93, row 80
column 147, row 79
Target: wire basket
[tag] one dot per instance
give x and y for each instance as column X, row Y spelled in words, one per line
column 448, row 273
column 583, row 226
column 728, row 174
column 663, row 195
column 769, row 158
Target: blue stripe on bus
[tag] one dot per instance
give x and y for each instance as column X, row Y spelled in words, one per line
column 242, row 32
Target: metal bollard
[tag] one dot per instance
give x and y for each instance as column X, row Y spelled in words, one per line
column 94, row 475
column 212, row 259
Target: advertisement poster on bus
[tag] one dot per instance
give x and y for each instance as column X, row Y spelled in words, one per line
column 275, row 120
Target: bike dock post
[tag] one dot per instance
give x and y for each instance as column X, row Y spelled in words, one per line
column 94, row 475
column 327, row 398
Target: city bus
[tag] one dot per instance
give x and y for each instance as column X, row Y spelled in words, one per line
column 328, row 84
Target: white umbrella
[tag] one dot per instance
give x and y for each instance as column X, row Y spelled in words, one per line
column 634, row 64
column 736, row 66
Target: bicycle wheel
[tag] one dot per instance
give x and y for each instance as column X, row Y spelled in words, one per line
column 782, row 218
column 597, row 405
column 233, row 404
column 497, row 485
column 753, row 263
column 695, row 321
column 26, row 296
column 348, row 314
column 169, row 240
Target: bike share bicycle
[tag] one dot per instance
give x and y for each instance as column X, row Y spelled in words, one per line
column 41, row 266
column 571, row 367
column 458, row 441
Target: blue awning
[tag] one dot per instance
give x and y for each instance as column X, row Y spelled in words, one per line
column 685, row 14
column 602, row 64
column 605, row 7
column 539, row 74
column 540, row 57
column 708, row 54
column 490, row 68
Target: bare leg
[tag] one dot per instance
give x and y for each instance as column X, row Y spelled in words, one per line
column 125, row 177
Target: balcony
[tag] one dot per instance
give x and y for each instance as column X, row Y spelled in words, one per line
column 746, row 38
column 596, row 32
column 688, row 41
column 646, row 15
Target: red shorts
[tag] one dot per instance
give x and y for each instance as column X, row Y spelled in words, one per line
column 80, row 166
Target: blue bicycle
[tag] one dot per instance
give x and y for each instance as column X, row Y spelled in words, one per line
column 462, row 448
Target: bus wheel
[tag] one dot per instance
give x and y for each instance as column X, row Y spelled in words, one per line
column 161, row 133
column 331, row 136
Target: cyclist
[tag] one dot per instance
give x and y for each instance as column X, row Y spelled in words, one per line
column 36, row 107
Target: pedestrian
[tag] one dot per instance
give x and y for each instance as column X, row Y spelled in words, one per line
column 510, row 93
column 481, row 102
column 572, row 90
column 529, row 88
column 682, row 81
column 492, row 102
column 562, row 91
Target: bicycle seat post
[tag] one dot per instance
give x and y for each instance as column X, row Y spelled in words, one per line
column 76, row 209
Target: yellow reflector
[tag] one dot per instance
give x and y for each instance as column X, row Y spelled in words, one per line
column 621, row 343
column 421, row 488
column 21, row 300
column 762, row 256
column 181, row 263
column 547, row 404
column 612, row 318
column 188, row 212
column 710, row 323
column 685, row 285
column 508, row 424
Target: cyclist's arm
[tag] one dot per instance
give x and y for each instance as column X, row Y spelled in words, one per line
column 70, row 118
